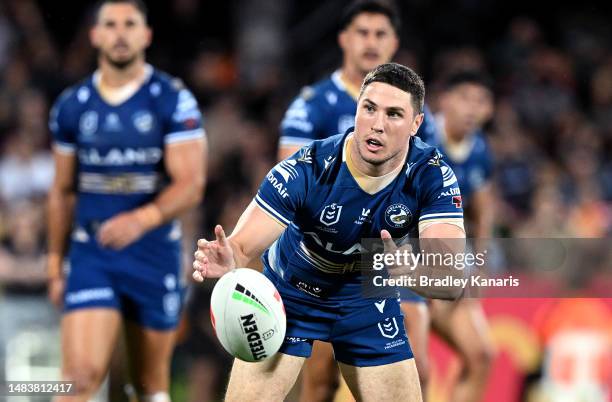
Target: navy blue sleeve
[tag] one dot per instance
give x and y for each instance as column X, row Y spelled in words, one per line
column 283, row 191
column 183, row 119
column 62, row 123
column 439, row 194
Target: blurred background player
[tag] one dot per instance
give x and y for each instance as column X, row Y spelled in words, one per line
column 129, row 153
column 369, row 36
column 465, row 105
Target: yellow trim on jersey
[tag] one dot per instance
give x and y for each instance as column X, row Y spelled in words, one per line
column 351, row 89
column 451, row 221
column 369, row 184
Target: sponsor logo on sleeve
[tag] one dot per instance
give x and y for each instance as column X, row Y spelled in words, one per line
column 448, row 176
column 457, row 201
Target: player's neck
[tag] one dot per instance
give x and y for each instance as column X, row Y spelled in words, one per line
column 453, row 136
column 372, row 170
column 113, row 77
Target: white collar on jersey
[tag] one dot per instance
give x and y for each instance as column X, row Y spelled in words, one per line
column 115, row 96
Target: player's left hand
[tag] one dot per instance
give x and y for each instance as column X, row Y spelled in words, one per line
column 390, row 248
column 120, row 231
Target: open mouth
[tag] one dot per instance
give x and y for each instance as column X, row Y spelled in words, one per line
column 373, row 145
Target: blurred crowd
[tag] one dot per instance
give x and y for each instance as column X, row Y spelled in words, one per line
column 551, row 133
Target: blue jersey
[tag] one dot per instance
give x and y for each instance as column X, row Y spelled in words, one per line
column 327, row 214
column 315, row 263
column 325, row 109
column 119, row 148
column 472, row 165
column 119, row 152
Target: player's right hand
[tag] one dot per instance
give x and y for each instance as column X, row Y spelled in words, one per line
column 213, row 258
column 55, row 291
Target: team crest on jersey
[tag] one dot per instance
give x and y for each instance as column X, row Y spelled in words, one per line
column 331, row 214
column 398, row 215
column 143, row 121
column 447, row 176
column 88, row 123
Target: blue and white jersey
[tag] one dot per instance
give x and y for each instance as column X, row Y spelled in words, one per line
column 120, row 148
column 471, row 160
column 327, row 108
column 327, row 214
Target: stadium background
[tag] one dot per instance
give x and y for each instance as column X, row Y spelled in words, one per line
column 551, row 137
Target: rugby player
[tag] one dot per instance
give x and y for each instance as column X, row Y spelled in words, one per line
column 368, row 36
column 130, row 150
column 308, row 219
column 466, row 104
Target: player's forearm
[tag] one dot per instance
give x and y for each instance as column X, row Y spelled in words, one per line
column 60, row 205
column 241, row 257
column 175, row 199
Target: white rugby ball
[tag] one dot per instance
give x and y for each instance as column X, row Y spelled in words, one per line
column 248, row 315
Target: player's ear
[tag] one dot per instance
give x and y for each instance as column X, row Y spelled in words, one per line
column 342, row 39
column 94, row 36
column 149, row 36
column 416, row 123
column 488, row 110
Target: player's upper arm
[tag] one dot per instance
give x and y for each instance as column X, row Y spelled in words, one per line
column 439, row 197
column 185, row 161
column 301, row 123
column 255, row 231
column 283, row 190
column 65, row 167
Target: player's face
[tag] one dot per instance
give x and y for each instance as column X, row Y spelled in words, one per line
column 466, row 107
column 368, row 41
column 120, row 34
column 384, row 122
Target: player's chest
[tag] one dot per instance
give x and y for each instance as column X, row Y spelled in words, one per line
column 338, row 220
column 134, row 124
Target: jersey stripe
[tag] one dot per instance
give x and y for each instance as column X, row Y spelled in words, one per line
column 271, row 211
column 441, row 215
column 186, row 135
column 64, row 147
column 297, row 141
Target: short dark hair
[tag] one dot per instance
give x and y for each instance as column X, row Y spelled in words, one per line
column 138, row 4
column 400, row 77
column 468, row 77
column 357, row 7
